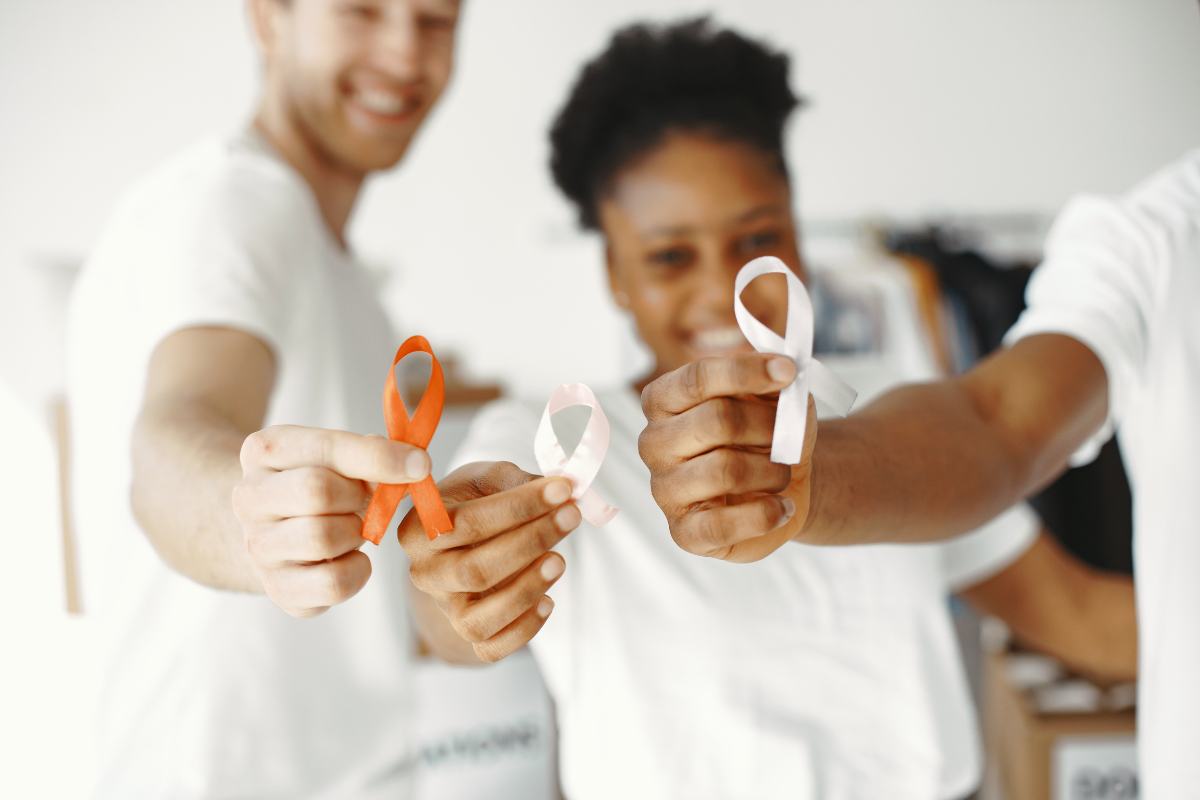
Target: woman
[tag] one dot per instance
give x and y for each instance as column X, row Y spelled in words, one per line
column 822, row 673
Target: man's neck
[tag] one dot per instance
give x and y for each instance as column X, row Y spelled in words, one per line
column 334, row 187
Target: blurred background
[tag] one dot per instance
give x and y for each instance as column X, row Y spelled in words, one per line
column 971, row 115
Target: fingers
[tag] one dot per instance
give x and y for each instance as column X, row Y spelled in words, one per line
column 482, row 619
column 481, row 479
column 720, row 473
column 298, row 492
column 478, row 520
column 717, row 530
column 477, row 569
column 694, row 383
column 720, row 422
column 308, row 590
column 368, row 458
column 305, row 539
column 517, row 634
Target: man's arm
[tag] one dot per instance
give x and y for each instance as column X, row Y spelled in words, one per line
column 235, row 507
column 207, row 389
column 1082, row 616
column 922, row 462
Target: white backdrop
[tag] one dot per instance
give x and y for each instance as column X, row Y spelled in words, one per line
column 923, row 106
column 917, row 106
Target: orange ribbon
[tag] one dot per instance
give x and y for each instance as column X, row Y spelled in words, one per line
column 417, row 432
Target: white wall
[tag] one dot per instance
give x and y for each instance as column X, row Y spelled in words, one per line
column 918, row 106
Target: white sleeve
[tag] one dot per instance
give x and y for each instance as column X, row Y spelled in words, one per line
column 1099, row 284
column 221, row 240
column 980, row 554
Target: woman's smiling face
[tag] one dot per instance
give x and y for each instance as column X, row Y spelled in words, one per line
column 679, row 223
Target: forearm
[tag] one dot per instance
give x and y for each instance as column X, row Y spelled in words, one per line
column 436, row 632
column 918, row 464
column 185, row 467
column 935, row 460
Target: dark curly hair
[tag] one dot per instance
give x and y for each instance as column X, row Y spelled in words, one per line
column 655, row 79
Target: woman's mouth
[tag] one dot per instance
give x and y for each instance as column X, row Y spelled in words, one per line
column 718, row 341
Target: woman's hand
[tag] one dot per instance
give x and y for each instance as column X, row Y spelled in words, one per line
column 489, row 576
column 707, row 444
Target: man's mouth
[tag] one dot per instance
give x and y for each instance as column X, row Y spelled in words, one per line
column 386, row 103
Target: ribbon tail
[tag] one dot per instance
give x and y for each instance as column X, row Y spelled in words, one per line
column 595, row 510
column 791, row 420
column 381, row 510
column 830, row 389
column 430, row 508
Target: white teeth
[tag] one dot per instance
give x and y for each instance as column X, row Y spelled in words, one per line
column 382, row 102
column 718, row 339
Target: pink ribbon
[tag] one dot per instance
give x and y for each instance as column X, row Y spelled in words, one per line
column 584, row 464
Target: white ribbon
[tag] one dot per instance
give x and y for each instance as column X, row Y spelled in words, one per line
column 584, row 464
column 791, row 415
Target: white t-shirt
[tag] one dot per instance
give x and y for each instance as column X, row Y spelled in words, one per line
column 1122, row 276
column 829, row 673
column 214, row 693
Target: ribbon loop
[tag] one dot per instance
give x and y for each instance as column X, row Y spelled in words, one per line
column 584, row 464
column 418, row 432
column 791, row 415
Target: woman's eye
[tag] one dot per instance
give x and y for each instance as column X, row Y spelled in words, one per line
column 366, row 12
column 673, row 257
column 758, row 241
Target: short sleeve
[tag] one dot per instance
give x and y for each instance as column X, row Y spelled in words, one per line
column 1098, row 285
column 221, row 237
column 980, row 554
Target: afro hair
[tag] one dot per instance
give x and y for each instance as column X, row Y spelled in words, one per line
column 653, row 80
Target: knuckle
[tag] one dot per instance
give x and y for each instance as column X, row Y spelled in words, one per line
column 242, row 496
column 316, row 486
column 728, row 417
column 254, row 447
column 692, row 379
column 469, row 575
column 318, row 537
column 731, row 468
column 712, row 531
column 470, row 627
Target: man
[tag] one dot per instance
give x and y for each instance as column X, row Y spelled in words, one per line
column 1110, row 340
column 222, row 298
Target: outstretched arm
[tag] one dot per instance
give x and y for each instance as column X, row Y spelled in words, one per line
column 922, row 462
column 1050, row 600
column 234, row 507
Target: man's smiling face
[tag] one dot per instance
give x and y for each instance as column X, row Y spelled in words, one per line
column 356, row 78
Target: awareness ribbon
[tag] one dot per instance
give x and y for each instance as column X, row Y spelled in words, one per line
column 417, row 432
column 585, row 462
column 791, row 415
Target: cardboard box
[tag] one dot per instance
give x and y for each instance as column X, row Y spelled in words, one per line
column 1059, row 756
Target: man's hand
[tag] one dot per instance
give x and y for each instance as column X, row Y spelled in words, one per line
column 708, row 443
column 489, row 575
column 299, row 501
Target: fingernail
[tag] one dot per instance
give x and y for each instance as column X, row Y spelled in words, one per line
column 544, row 607
column 416, row 465
column 552, row 568
column 781, row 369
column 567, row 518
column 557, row 492
column 789, row 510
